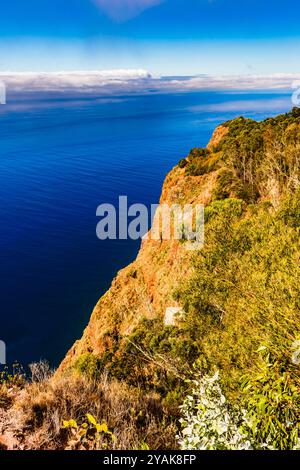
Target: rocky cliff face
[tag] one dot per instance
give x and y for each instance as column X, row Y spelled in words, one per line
column 247, row 161
column 239, row 311
column 144, row 288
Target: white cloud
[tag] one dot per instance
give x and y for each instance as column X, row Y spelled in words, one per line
column 117, row 82
column 102, row 80
column 123, row 10
column 273, row 82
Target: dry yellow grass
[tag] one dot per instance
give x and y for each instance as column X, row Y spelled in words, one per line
column 137, row 420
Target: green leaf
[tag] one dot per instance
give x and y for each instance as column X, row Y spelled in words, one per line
column 73, row 424
column 102, row 428
column 91, row 419
column 69, row 424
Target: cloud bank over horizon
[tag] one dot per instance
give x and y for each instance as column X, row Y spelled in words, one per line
column 72, row 81
column 116, row 82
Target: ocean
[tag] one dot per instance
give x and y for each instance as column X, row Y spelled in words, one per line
column 61, row 156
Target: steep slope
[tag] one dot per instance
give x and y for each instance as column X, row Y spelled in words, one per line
column 247, row 161
column 239, row 303
column 144, row 289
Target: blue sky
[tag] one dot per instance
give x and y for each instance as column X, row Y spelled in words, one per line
column 167, row 37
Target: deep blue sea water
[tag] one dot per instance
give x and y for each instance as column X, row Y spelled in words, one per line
column 62, row 156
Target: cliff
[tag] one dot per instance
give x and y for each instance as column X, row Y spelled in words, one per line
column 144, row 289
column 230, row 167
column 238, row 298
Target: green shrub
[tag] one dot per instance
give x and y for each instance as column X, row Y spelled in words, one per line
column 90, row 365
column 272, row 402
column 253, row 155
column 265, row 415
column 245, row 288
column 202, row 163
column 198, row 153
column 183, row 163
column 13, row 376
column 208, row 422
column 89, row 435
column 290, row 210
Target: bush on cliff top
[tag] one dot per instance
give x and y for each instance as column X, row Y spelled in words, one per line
column 256, row 157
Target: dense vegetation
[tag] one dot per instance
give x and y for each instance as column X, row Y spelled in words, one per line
column 232, row 359
column 254, row 158
column 244, row 295
column 244, row 298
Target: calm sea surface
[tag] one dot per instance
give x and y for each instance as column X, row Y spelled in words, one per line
column 62, row 156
